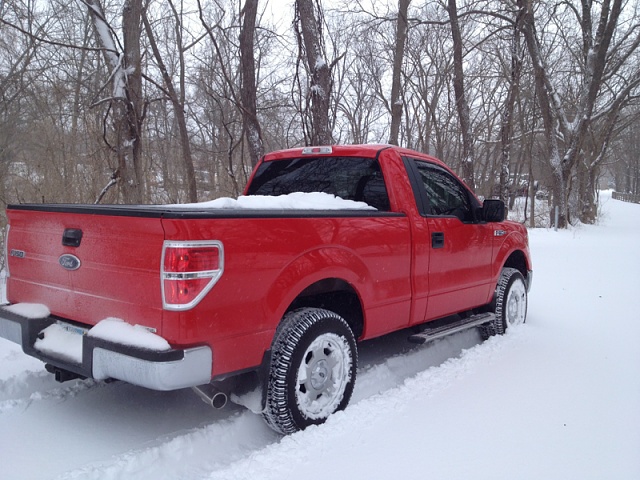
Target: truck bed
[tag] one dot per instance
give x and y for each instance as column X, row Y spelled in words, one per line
column 121, row 253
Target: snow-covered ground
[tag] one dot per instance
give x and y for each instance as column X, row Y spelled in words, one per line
column 558, row 398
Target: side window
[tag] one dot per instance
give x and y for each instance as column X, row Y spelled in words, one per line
column 445, row 194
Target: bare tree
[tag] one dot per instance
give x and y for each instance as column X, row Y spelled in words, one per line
column 308, row 20
column 125, row 103
column 361, row 106
column 251, row 125
column 566, row 125
column 624, row 161
column 398, row 56
column 19, row 54
column 461, row 99
column 506, row 128
column 427, row 89
column 177, row 97
column 69, row 83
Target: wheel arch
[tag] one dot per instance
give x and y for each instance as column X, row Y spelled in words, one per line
column 513, row 253
column 336, row 295
column 518, row 260
column 333, row 278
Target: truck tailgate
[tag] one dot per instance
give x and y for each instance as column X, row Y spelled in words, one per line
column 113, row 272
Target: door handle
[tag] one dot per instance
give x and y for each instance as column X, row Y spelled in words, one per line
column 437, row 240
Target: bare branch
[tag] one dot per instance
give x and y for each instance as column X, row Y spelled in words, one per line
column 53, row 42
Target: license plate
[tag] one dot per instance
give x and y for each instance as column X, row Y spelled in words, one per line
column 73, row 328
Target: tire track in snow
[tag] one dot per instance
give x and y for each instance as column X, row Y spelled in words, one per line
column 294, row 453
column 191, row 455
column 21, row 391
column 24, row 380
column 386, row 364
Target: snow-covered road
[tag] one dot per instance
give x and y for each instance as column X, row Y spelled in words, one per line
column 557, row 398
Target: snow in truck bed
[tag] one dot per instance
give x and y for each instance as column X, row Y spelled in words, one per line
column 291, row 201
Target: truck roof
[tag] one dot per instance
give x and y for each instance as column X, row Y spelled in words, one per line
column 367, row 151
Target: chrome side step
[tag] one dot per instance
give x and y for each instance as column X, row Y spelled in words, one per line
column 435, row 333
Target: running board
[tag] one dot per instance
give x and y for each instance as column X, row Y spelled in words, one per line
column 431, row 334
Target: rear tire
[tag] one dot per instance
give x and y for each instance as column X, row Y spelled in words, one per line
column 312, row 372
column 510, row 303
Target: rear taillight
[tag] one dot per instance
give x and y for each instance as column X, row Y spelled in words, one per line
column 189, row 271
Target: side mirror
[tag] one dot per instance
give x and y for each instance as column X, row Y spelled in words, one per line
column 493, row 211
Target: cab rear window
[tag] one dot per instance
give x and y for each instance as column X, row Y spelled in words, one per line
column 350, row 178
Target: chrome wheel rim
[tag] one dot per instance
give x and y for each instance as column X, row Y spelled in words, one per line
column 516, row 304
column 323, row 375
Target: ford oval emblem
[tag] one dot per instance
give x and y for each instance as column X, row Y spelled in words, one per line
column 69, row 262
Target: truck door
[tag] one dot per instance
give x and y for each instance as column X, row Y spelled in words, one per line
column 460, row 247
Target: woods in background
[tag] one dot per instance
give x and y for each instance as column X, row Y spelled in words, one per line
column 140, row 101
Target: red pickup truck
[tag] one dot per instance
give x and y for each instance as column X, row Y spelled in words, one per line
column 168, row 297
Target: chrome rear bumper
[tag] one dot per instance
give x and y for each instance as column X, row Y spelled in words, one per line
column 102, row 359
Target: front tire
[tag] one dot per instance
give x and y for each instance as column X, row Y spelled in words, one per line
column 312, row 371
column 510, row 302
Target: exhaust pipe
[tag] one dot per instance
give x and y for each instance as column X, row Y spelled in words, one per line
column 211, row 395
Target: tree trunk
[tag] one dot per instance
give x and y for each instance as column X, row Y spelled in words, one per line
column 396, row 83
column 544, row 101
column 506, row 128
column 587, row 188
column 461, row 99
column 250, row 123
column 130, row 151
column 320, row 85
column 532, row 196
column 126, row 98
